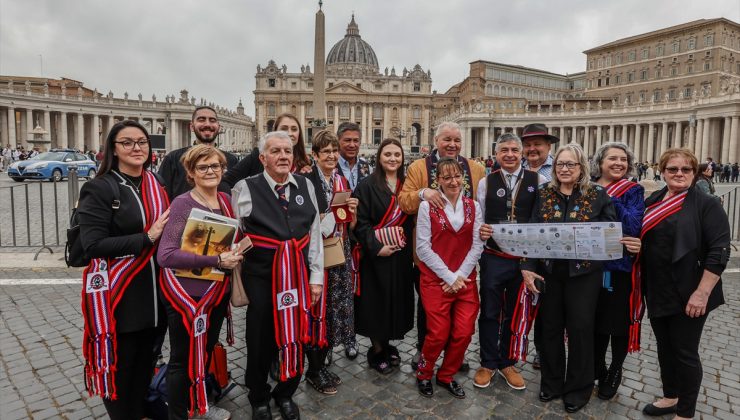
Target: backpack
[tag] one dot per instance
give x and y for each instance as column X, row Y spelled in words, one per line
column 155, row 406
column 74, row 255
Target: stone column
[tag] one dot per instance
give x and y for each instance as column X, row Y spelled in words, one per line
column 173, row 134
column 336, row 116
column 484, row 151
column 29, row 128
column 625, row 135
column 95, row 143
column 726, row 141
column 699, row 134
column 364, row 126
column 12, row 139
column 638, row 142
column 692, row 136
column 663, row 138
column 677, row 134
column 467, row 140
column 387, row 122
column 62, row 140
column 47, row 126
column 587, row 137
column 651, row 143
column 612, row 134
column 80, row 133
column 563, row 136
column 734, row 139
column 3, row 131
column 598, row 135
column 705, row 142
column 352, row 113
column 111, row 121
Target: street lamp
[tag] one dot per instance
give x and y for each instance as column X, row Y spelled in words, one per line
column 401, row 134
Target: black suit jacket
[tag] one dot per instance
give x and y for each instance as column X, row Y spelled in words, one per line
column 702, row 242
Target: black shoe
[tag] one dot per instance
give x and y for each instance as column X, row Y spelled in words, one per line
column 572, row 408
column 261, row 412
column 652, row 410
column 545, row 397
column 379, row 362
column 415, row 360
column 351, row 351
column 335, row 379
column 464, row 367
column 608, row 387
column 321, row 382
column 288, row 409
column 394, row 358
column 425, row 387
column 536, row 361
column 453, row 387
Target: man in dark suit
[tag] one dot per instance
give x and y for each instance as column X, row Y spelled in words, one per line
column 205, row 126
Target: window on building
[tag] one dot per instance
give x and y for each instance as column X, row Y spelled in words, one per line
column 378, row 86
column 618, row 58
column 676, row 47
column 271, row 82
column 645, row 54
column 672, row 94
column 658, row 73
column 687, row 92
column 344, row 111
column 293, row 110
column 629, row 98
column 377, row 136
column 417, row 113
column 271, row 110
column 707, row 65
column 330, row 112
column 631, row 56
column 309, row 85
column 608, row 60
column 395, row 88
column 631, row 76
column 331, row 84
column 599, row 63
column 588, row 84
column 358, row 113
column 691, row 44
column 598, row 82
column 617, row 79
column 708, row 40
column 689, row 69
column 674, row 71
column 656, row 95
column 643, row 75
column 642, row 96
column 417, row 86
column 659, row 50
column 309, row 109
column 591, row 64
column 293, row 85
column 358, row 85
column 377, row 112
column 606, row 81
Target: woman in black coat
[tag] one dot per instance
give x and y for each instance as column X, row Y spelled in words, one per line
column 122, row 213
column 686, row 246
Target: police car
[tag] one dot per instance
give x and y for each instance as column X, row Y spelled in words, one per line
column 52, row 165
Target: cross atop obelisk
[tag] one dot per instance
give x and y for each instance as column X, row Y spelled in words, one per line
column 319, row 61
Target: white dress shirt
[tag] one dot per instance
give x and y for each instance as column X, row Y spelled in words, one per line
column 456, row 216
column 513, row 180
column 241, row 201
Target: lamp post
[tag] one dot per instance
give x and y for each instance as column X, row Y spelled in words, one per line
column 401, row 134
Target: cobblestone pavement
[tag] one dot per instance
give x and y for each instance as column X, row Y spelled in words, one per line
column 41, row 367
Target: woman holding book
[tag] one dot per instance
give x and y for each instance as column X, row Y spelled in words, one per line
column 196, row 307
column 327, row 181
column 384, row 309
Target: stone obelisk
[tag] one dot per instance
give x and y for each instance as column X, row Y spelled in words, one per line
column 319, row 61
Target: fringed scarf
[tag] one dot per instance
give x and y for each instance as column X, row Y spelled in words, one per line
column 105, row 282
column 653, row 216
column 294, row 322
column 196, row 317
column 525, row 312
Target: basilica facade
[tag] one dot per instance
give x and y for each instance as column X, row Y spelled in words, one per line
column 389, row 103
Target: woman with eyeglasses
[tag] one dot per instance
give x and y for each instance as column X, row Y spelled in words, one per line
column 122, row 213
column 571, row 287
column 686, row 246
column 189, row 300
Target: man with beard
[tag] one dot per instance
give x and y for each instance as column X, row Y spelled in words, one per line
column 507, row 195
column 537, row 143
column 421, row 185
column 204, row 124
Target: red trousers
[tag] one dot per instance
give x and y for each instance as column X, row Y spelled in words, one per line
column 450, row 327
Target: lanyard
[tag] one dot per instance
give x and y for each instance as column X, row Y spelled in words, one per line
column 510, row 210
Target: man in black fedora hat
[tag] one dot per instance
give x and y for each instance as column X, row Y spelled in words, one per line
column 536, row 141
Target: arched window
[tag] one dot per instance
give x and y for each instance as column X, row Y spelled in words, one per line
column 394, row 113
column 271, row 109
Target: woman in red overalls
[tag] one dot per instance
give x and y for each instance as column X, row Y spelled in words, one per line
column 448, row 246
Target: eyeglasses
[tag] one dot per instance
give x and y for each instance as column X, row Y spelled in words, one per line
column 203, row 169
column 128, row 144
column 448, row 178
column 569, row 165
column 673, row 170
column 328, row 152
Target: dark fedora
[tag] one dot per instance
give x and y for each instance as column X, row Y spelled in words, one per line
column 537, row 130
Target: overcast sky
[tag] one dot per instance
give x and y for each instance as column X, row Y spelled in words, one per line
column 212, row 48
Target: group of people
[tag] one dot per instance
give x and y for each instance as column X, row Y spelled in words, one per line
column 427, row 227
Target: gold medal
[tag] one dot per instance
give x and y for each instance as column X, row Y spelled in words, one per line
column 341, row 214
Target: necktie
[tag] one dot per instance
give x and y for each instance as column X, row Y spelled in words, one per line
column 280, row 189
column 508, row 180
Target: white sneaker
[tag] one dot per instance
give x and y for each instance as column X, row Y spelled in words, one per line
column 214, row 413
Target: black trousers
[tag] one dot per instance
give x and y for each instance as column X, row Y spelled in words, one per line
column 568, row 306
column 678, row 339
column 261, row 346
column 499, row 287
column 178, row 380
column 133, row 374
column 421, row 316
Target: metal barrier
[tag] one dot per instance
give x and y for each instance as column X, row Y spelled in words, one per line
column 36, row 214
column 732, row 208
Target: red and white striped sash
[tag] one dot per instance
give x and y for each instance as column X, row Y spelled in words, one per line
column 105, row 281
column 618, row 188
column 654, row 214
column 525, row 311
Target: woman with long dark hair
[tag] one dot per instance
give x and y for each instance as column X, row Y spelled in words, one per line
column 250, row 165
column 122, row 213
column 384, row 309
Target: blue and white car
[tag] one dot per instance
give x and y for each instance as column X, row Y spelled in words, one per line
column 52, row 165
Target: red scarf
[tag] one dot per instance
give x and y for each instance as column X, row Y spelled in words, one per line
column 105, row 281
column 393, row 217
column 292, row 316
column 618, row 188
column 196, row 317
column 654, row 214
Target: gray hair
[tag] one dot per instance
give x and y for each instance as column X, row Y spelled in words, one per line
column 446, row 124
column 279, row 134
column 600, row 154
column 584, row 182
column 508, row 138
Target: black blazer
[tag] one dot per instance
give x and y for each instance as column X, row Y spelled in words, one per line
column 110, row 233
column 702, row 242
column 249, row 165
